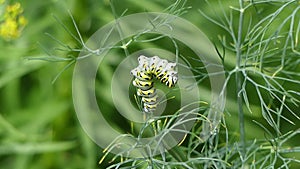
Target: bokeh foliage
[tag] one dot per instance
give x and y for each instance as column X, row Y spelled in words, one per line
column 38, row 125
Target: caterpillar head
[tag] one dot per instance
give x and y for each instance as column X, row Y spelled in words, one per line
column 171, row 78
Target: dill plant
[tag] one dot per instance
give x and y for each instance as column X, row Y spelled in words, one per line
column 263, row 38
column 259, row 49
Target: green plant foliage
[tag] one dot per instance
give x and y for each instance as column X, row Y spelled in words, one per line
column 258, row 45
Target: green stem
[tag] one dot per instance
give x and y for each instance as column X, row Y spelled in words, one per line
column 240, row 112
column 178, row 154
column 239, row 80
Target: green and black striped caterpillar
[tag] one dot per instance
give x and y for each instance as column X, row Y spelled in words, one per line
column 144, row 73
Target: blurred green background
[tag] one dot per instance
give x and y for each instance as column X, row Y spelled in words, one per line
column 38, row 125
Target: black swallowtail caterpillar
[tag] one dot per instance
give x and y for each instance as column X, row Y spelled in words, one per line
column 144, row 73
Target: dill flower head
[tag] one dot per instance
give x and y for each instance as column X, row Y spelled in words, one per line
column 13, row 22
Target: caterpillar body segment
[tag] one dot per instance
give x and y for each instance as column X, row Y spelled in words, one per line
column 142, row 75
column 160, row 66
column 169, row 67
column 153, row 61
column 149, row 107
column 150, row 100
column 147, row 93
column 144, row 85
column 144, row 63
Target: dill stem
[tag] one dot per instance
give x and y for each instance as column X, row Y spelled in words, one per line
column 240, row 112
column 124, row 45
column 178, row 154
column 239, row 80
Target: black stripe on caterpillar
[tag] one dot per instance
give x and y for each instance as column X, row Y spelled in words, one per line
column 144, row 73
